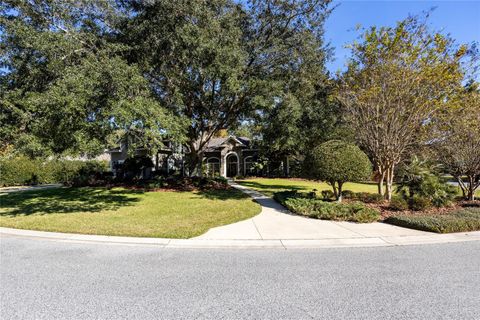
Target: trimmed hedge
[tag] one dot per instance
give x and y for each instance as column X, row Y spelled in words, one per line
column 315, row 208
column 463, row 220
column 26, row 171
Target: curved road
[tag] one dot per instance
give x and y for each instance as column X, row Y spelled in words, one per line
column 42, row 279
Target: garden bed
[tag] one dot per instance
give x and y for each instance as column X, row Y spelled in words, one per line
column 310, row 206
column 460, row 220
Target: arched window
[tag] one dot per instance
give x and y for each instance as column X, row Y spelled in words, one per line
column 213, row 167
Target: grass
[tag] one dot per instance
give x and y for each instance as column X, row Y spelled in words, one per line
column 122, row 212
column 463, row 220
column 269, row 186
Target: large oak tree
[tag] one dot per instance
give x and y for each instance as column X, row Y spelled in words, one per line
column 65, row 86
column 217, row 62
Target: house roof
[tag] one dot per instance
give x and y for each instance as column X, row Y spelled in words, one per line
column 216, row 143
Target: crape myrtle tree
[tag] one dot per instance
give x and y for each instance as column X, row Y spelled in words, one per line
column 219, row 61
column 65, row 86
column 397, row 79
column 458, row 142
column 338, row 162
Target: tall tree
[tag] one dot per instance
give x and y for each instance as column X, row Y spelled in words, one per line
column 216, row 62
column 65, row 85
column 397, row 79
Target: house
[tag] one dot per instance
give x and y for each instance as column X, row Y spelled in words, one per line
column 223, row 156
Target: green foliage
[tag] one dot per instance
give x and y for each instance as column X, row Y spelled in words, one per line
column 68, row 87
column 337, row 162
column 463, row 220
column 399, row 78
column 420, row 179
column 315, row 208
column 327, row 194
column 398, row 204
column 24, row 171
column 419, row 203
column 368, row 197
column 217, row 62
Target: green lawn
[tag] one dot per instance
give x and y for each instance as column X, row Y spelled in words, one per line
column 124, row 212
column 268, row 185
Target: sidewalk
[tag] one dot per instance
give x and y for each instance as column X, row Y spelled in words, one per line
column 274, row 227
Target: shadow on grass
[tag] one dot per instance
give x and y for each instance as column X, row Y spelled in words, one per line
column 65, row 200
column 229, row 194
column 260, row 186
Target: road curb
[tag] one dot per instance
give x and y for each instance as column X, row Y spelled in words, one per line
column 254, row 243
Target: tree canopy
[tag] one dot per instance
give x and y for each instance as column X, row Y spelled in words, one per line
column 218, row 62
column 337, row 162
column 397, row 80
column 66, row 87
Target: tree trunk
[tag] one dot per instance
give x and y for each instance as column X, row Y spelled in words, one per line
column 462, row 186
column 389, row 175
column 381, row 179
column 194, row 163
column 471, row 188
column 340, row 186
column 334, row 187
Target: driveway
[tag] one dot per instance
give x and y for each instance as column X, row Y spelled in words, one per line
column 42, row 279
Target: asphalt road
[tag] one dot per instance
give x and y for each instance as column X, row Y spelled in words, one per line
column 42, row 279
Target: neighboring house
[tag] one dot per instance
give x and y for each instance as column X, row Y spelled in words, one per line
column 227, row 157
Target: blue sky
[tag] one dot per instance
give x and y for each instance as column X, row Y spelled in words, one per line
column 459, row 18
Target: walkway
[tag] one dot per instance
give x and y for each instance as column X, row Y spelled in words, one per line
column 275, row 222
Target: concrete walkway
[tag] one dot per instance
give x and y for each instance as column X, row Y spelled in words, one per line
column 275, row 222
column 274, row 227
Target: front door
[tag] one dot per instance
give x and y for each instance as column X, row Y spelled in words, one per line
column 232, row 165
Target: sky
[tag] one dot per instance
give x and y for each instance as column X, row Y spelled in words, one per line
column 461, row 19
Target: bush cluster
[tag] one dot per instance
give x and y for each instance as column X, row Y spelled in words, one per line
column 398, row 204
column 184, row 183
column 462, row 220
column 25, row 171
column 316, row 208
column 362, row 196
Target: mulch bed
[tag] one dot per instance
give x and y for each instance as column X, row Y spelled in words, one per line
column 386, row 212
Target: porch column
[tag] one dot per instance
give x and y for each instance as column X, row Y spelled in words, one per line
column 223, row 165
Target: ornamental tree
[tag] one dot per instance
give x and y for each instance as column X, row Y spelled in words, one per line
column 338, row 162
column 397, row 80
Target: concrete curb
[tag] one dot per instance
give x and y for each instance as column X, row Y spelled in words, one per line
column 254, row 243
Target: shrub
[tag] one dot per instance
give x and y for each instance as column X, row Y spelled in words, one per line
column 328, row 194
column 398, row 204
column 338, row 162
column 419, row 203
column 462, row 220
column 303, row 205
column 24, row 171
column 348, row 194
column 419, row 178
column 368, row 197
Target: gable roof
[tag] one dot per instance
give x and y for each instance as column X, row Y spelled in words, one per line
column 216, row 143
